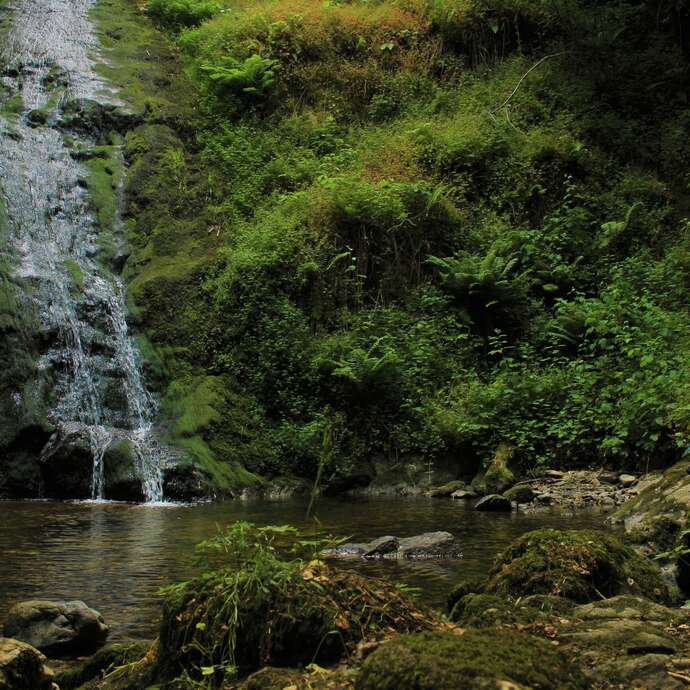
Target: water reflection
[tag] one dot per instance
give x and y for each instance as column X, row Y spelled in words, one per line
column 117, row 556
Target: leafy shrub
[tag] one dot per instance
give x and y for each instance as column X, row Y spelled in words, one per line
column 181, row 14
column 247, row 81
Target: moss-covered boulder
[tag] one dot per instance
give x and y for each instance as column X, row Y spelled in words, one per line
column 132, row 674
column 521, row 493
column 476, row 659
column 104, row 661
column 277, row 616
column 486, row 610
column 447, row 490
column 627, row 642
column 661, row 508
column 498, row 476
column 581, row 565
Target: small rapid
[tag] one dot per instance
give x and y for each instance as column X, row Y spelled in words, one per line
column 89, row 369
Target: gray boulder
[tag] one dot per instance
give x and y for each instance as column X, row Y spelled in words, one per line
column 494, row 503
column 380, row 547
column 428, row 545
column 22, row 667
column 57, row 628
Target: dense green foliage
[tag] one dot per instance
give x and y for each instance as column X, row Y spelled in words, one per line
column 411, row 230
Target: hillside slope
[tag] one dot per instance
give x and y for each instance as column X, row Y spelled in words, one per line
column 396, row 234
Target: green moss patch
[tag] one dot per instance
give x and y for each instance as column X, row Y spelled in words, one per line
column 475, row 659
column 581, row 565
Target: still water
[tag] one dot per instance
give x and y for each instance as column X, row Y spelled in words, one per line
column 116, row 556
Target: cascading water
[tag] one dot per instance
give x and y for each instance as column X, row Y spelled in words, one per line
column 98, row 386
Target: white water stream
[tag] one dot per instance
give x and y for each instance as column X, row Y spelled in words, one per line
column 96, row 370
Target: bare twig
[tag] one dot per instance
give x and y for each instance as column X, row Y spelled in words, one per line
column 523, row 77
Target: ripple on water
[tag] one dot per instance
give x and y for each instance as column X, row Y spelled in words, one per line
column 116, row 556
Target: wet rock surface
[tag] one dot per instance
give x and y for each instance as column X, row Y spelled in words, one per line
column 423, row 546
column 57, row 628
column 494, row 503
column 22, row 667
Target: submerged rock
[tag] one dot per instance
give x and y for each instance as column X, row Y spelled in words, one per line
column 381, row 547
column 428, row 545
column 22, row 667
column 58, row 628
column 494, row 503
column 476, row 659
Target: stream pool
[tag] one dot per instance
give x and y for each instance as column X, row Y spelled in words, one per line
column 116, row 556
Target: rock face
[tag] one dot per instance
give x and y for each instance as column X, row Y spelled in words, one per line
column 186, row 483
column 22, row 667
column 427, row 545
column 494, row 503
column 476, row 659
column 67, row 464
column 122, row 480
column 58, row 628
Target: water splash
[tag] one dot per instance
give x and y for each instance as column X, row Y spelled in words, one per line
column 92, row 358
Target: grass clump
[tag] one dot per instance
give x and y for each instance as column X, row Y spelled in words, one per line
column 260, row 609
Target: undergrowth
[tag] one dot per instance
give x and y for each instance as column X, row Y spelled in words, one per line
column 426, row 227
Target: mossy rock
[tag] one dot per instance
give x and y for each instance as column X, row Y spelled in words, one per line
column 520, row 494
column 498, row 476
column 447, row 489
column 139, row 674
column 471, row 585
column 485, row 610
column 475, row 659
column 581, row 565
column 287, row 617
column 102, row 662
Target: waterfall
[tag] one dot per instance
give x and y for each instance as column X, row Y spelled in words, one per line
column 95, row 368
